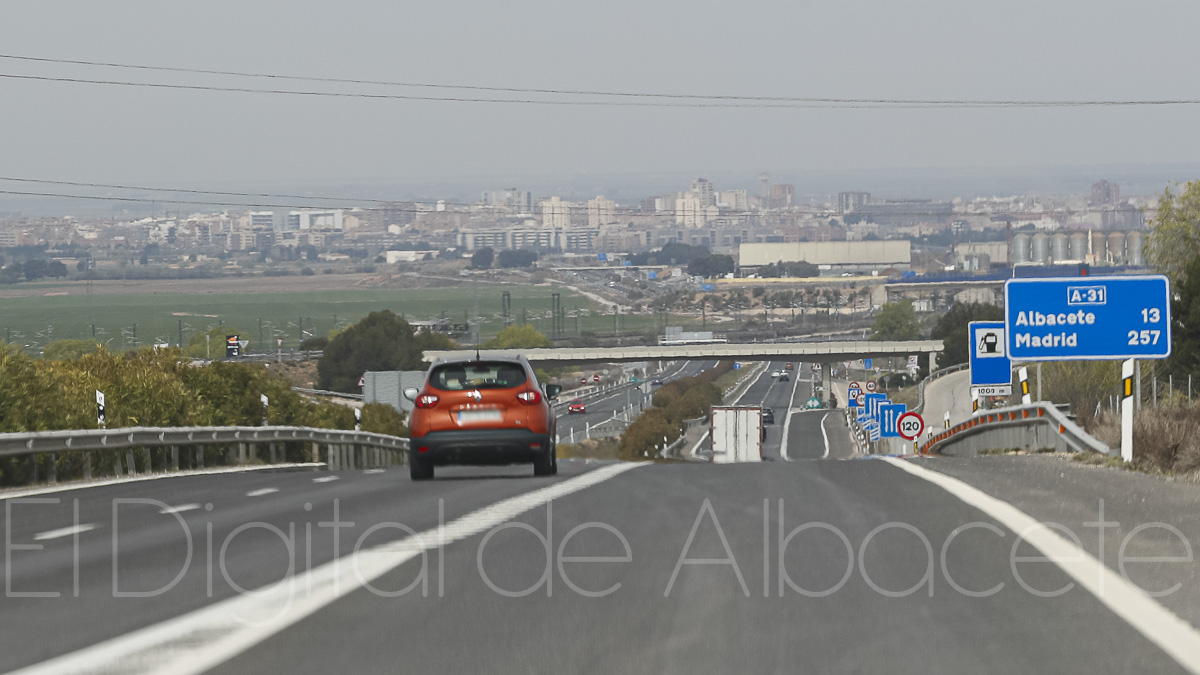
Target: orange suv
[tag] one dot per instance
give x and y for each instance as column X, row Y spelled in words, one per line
column 482, row 411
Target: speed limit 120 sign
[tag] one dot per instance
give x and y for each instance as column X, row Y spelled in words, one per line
column 910, row 425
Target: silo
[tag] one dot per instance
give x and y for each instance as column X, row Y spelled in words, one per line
column 1116, row 247
column 1020, row 248
column 1041, row 248
column 1099, row 247
column 1059, row 245
column 1133, row 249
column 1079, row 246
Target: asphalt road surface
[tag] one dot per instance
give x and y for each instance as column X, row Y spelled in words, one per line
column 625, row 402
column 868, row 565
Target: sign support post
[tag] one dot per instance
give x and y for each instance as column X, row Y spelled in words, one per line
column 1127, row 407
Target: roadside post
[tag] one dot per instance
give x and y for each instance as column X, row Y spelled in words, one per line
column 1124, row 318
column 1023, row 376
column 1127, row 410
column 265, row 403
column 358, row 419
column 945, row 422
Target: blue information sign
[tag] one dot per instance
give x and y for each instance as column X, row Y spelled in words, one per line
column 602, row 257
column 873, row 402
column 706, row 287
column 652, row 274
column 1117, row 317
column 867, row 364
column 627, row 263
column 988, row 353
column 889, row 416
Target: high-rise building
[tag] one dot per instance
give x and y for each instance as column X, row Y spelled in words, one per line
column 735, row 200
column 1105, row 192
column 601, row 211
column 848, row 202
column 688, row 211
column 783, row 195
column 703, row 190
column 556, row 213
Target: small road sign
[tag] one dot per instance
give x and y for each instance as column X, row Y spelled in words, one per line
column 910, row 426
column 889, row 419
column 987, row 354
column 871, row 386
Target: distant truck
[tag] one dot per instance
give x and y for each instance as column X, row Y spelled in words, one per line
column 737, row 434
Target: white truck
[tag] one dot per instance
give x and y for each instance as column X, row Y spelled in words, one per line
column 736, row 433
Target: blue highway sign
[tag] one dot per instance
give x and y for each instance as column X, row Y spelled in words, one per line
column 889, row 416
column 1117, row 317
column 706, row 287
column 873, row 403
column 988, row 351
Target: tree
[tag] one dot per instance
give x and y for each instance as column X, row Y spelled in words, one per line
column 896, row 321
column 517, row 258
column 56, row 269
column 1174, row 240
column 522, row 336
column 482, row 259
column 1185, row 318
column 65, row 350
column 381, row 341
column 35, row 269
column 951, row 329
column 711, row 266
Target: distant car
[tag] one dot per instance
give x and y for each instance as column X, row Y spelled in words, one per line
column 576, row 406
column 783, row 377
column 776, row 373
column 790, row 366
column 656, row 382
column 768, row 416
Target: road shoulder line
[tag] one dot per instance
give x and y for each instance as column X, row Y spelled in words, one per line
column 1178, row 638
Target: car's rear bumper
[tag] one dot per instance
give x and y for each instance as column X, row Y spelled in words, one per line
column 482, row 446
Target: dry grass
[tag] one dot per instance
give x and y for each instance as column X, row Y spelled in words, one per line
column 1166, row 439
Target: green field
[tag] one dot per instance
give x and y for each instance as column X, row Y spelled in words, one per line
column 260, row 317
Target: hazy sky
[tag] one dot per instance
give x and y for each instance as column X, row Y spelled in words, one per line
column 937, row 49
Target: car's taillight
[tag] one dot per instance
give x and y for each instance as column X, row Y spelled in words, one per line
column 529, row 397
column 427, row 400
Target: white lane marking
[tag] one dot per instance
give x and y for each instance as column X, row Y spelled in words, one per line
column 200, row 640
column 371, row 471
column 62, row 532
column 261, row 492
column 1179, row 639
column 158, row 476
column 826, row 435
column 787, row 421
column 180, row 509
column 325, row 479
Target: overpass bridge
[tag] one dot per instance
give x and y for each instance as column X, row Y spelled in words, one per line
column 809, row 352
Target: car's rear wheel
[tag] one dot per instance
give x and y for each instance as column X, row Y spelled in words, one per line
column 547, row 464
column 420, row 469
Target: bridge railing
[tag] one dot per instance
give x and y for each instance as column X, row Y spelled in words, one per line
column 88, row 452
column 1025, row 427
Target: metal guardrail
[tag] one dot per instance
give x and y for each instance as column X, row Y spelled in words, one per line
column 324, row 392
column 1028, row 427
column 340, row 449
column 22, row 443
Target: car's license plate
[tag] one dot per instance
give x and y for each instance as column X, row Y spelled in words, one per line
column 479, row 416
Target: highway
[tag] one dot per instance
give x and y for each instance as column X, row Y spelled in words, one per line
column 604, row 408
column 862, row 565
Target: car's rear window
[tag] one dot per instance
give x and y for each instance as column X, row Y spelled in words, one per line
column 477, row 375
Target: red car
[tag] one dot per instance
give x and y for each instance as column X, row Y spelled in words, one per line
column 482, row 412
column 576, row 406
